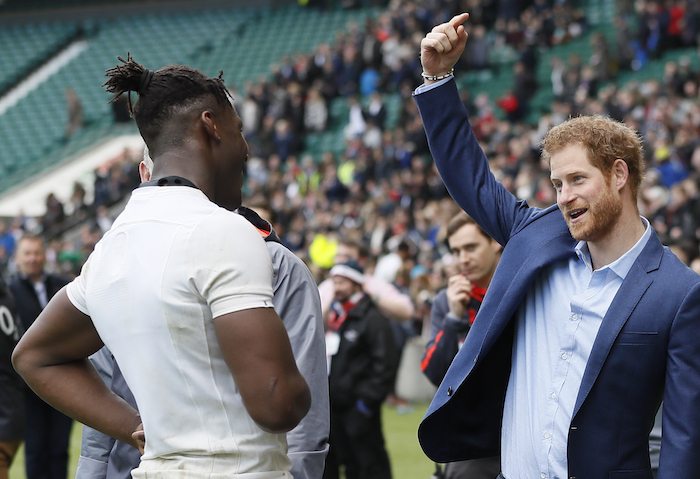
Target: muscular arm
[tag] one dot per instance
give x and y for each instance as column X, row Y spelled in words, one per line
column 52, row 359
column 256, row 348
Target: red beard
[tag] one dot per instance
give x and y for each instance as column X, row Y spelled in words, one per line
column 597, row 221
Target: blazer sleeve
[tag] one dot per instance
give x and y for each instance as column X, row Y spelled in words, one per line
column 680, row 440
column 464, row 167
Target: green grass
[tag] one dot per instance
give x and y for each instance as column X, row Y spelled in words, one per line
column 407, row 459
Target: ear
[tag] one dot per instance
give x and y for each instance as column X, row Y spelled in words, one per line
column 496, row 246
column 620, row 173
column 210, row 126
column 143, row 172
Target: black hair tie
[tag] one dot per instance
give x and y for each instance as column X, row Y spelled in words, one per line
column 145, row 81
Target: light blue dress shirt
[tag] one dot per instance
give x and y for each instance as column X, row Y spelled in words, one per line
column 425, row 87
column 554, row 334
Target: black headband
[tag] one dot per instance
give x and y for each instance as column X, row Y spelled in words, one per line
column 145, row 80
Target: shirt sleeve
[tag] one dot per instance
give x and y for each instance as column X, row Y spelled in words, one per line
column 76, row 289
column 425, row 88
column 232, row 267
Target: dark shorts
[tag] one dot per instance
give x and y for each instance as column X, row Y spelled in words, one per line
column 12, row 415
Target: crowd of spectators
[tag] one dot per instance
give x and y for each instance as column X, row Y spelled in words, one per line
column 72, row 227
column 383, row 190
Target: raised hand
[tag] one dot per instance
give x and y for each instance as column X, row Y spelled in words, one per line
column 458, row 294
column 442, row 47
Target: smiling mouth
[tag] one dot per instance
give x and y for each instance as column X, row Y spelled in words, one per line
column 576, row 213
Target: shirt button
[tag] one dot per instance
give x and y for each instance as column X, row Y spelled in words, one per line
column 553, row 395
column 547, row 435
column 564, row 356
column 573, row 317
column 543, row 475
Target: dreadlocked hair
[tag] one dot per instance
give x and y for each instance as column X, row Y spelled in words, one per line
column 162, row 92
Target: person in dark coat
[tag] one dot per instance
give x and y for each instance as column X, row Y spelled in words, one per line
column 47, row 430
column 363, row 361
column 11, row 386
column 452, row 315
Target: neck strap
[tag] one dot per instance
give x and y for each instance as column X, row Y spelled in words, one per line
column 169, row 181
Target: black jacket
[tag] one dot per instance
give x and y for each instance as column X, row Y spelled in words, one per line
column 446, row 334
column 28, row 306
column 366, row 361
column 11, row 386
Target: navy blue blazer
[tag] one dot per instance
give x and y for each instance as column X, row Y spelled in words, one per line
column 647, row 348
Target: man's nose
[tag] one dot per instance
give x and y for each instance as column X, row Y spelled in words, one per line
column 565, row 195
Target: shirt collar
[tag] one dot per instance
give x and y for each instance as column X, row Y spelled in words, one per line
column 622, row 265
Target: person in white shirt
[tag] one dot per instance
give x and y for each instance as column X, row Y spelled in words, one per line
column 180, row 291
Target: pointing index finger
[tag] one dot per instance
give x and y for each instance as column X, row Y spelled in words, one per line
column 458, row 20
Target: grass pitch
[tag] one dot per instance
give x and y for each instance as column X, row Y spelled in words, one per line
column 407, row 459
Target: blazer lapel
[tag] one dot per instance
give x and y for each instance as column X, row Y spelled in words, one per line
column 633, row 287
column 556, row 249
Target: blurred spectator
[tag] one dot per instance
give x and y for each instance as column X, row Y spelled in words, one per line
column 47, row 430
column 363, row 360
column 102, row 219
column 356, row 119
column 316, row 112
column 12, row 409
column 452, row 314
column 7, row 239
column 53, row 216
column 75, row 113
column 375, row 113
column 478, row 49
column 390, row 300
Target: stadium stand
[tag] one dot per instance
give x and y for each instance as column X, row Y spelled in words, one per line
column 211, row 40
column 25, row 46
column 274, row 49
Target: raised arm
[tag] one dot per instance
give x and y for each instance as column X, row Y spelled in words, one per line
column 256, row 348
column 458, row 156
column 52, row 358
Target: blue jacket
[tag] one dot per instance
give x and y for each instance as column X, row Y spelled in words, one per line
column 647, row 348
